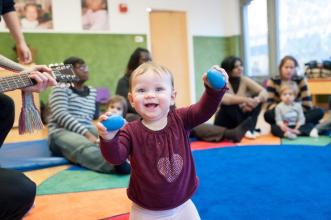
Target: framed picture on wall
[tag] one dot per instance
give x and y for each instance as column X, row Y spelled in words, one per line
column 95, row 15
column 34, row 14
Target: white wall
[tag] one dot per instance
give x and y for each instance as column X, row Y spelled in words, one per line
column 205, row 17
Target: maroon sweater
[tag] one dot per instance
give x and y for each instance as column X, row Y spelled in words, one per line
column 163, row 175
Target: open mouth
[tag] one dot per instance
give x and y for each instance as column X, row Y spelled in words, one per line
column 151, row 105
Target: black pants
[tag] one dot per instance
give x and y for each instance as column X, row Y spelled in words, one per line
column 230, row 116
column 312, row 116
column 17, row 192
column 304, row 129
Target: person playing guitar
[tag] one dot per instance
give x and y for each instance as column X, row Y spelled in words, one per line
column 17, row 191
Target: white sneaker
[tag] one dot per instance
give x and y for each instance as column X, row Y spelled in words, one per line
column 250, row 135
column 314, row 133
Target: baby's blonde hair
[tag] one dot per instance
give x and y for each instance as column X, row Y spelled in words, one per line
column 153, row 67
column 289, row 86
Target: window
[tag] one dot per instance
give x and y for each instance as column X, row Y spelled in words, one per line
column 256, row 59
column 300, row 28
column 305, row 30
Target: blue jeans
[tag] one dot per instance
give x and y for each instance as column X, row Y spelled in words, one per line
column 79, row 150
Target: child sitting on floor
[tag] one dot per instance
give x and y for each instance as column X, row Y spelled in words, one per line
column 290, row 120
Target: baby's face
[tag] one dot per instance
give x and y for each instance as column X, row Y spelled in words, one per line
column 95, row 5
column 31, row 13
column 115, row 109
column 287, row 96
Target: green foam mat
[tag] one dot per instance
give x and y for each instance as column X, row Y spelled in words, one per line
column 81, row 180
column 320, row 141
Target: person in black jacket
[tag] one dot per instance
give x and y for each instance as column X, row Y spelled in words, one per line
column 17, row 192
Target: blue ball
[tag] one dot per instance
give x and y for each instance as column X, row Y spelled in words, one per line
column 113, row 122
column 215, row 79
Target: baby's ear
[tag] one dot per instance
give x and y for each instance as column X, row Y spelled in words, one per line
column 173, row 97
column 130, row 98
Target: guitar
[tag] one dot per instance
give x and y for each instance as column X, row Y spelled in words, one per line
column 62, row 74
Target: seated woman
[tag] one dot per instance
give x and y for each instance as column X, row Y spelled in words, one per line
column 139, row 56
column 324, row 128
column 243, row 100
column 287, row 73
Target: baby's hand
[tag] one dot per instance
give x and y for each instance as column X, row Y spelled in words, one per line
column 102, row 130
column 218, row 80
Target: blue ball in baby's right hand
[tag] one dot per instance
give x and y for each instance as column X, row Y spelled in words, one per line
column 113, row 122
column 215, row 79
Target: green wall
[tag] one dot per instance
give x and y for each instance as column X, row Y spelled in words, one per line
column 106, row 54
column 209, row 51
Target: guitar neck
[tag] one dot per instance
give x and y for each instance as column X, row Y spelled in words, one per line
column 18, row 81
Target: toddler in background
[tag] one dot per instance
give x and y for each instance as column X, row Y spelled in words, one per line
column 289, row 117
column 117, row 105
column 31, row 16
column 96, row 15
column 163, row 176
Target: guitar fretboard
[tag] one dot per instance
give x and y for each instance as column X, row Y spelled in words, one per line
column 15, row 82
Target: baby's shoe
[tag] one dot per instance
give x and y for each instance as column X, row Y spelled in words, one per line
column 313, row 133
column 290, row 135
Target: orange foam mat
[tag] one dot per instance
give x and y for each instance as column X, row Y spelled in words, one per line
column 202, row 145
column 38, row 176
column 99, row 204
column 268, row 139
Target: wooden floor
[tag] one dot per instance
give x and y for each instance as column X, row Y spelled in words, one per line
column 13, row 136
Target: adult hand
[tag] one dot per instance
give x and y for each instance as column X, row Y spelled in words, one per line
column 252, row 102
column 43, row 77
column 91, row 137
column 23, row 53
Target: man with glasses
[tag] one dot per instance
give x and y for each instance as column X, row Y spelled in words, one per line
column 71, row 131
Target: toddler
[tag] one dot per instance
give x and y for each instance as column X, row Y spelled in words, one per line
column 96, row 15
column 31, row 16
column 163, row 176
column 117, row 105
column 289, row 117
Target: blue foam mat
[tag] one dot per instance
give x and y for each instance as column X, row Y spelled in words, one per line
column 29, row 155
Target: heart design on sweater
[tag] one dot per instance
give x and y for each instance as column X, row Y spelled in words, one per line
column 170, row 167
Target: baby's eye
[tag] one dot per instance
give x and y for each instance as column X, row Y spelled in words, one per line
column 140, row 90
column 119, row 109
column 159, row 89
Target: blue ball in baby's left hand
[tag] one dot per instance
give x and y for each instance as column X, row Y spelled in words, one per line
column 113, row 122
column 215, row 79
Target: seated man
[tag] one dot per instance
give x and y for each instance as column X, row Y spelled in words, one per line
column 71, row 132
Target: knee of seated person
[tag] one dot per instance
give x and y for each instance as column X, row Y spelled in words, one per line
column 8, row 108
column 23, row 190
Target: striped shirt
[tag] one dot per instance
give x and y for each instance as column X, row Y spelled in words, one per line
column 71, row 111
column 304, row 96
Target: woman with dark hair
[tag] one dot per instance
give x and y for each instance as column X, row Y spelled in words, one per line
column 287, row 73
column 139, row 56
column 243, row 99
